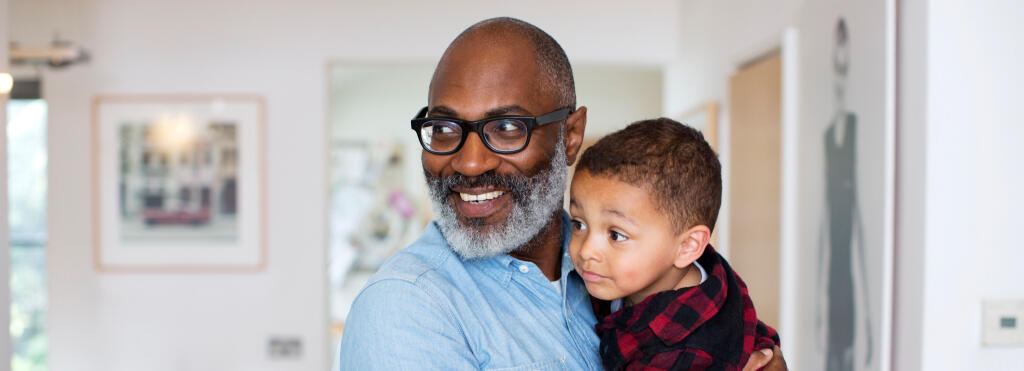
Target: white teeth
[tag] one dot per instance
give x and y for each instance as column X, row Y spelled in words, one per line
column 481, row 197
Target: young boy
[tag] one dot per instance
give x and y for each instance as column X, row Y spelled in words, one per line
column 643, row 203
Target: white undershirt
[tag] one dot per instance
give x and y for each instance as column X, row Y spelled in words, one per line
column 558, row 286
column 617, row 303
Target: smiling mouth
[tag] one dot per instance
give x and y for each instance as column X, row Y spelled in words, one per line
column 480, row 198
column 479, row 203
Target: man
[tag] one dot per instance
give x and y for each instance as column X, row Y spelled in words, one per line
column 489, row 284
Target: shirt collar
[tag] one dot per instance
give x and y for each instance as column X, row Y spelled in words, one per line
column 505, row 266
column 660, row 312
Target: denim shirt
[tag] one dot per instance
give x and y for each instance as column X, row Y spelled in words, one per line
column 426, row 308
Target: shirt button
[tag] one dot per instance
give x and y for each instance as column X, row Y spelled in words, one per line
column 523, row 268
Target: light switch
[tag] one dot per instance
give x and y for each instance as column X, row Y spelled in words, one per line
column 1002, row 323
column 284, row 347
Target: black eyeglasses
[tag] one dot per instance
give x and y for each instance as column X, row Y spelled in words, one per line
column 502, row 134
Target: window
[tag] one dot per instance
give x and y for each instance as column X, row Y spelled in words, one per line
column 26, row 187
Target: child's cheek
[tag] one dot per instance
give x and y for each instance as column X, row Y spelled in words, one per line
column 627, row 274
column 574, row 248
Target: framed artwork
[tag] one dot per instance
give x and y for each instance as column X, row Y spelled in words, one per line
column 179, row 183
column 846, row 181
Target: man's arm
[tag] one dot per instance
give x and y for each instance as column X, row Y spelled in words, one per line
column 395, row 325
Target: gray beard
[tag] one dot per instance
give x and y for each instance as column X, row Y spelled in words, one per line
column 534, row 200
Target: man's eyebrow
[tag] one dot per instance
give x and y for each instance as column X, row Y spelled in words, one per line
column 512, row 109
column 621, row 215
column 442, row 111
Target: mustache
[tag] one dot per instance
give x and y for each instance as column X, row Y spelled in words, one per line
column 517, row 185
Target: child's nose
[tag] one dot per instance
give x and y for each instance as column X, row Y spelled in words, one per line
column 588, row 251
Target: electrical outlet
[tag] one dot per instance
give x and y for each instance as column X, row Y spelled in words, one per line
column 284, row 347
column 1002, row 323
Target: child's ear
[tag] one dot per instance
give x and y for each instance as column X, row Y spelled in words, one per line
column 692, row 243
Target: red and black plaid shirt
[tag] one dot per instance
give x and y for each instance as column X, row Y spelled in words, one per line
column 712, row 326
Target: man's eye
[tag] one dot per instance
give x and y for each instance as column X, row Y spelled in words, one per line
column 508, row 128
column 578, row 226
column 508, row 125
column 441, row 129
column 616, row 236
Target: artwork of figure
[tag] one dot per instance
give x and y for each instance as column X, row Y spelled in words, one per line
column 844, row 288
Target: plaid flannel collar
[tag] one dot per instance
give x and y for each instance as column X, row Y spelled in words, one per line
column 673, row 315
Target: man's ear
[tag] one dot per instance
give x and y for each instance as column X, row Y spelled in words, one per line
column 692, row 243
column 575, row 126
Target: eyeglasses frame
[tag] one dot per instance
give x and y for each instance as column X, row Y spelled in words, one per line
column 478, row 128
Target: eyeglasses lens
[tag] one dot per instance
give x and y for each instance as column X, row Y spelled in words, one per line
column 441, row 136
column 506, row 134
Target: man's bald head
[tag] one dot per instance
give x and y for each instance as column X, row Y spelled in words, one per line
column 555, row 72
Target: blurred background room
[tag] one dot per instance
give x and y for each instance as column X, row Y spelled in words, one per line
column 206, row 185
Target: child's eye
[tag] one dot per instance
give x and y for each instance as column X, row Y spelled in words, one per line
column 616, row 236
column 578, row 225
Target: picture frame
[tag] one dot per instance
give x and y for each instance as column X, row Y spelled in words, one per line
column 179, row 183
column 844, row 238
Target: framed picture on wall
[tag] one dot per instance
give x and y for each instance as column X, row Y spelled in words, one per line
column 178, row 183
column 845, row 233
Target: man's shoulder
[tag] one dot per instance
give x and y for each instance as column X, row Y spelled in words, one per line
column 401, row 316
column 419, row 276
column 425, row 257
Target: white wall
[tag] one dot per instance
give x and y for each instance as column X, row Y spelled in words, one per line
column 278, row 50
column 5, row 251
column 716, row 37
column 973, row 178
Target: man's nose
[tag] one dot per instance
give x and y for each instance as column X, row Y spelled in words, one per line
column 474, row 158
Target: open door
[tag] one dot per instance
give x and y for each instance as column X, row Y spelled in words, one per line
column 754, row 186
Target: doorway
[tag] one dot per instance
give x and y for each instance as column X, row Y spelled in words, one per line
column 755, row 101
